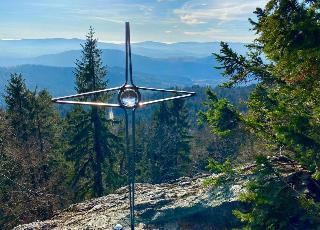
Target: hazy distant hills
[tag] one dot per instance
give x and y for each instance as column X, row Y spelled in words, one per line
column 37, row 47
column 60, row 80
column 49, row 63
column 180, row 71
column 194, row 69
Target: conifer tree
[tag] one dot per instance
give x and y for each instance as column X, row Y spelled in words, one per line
column 18, row 106
column 91, row 142
column 284, row 106
column 30, row 156
column 167, row 149
column 283, row 110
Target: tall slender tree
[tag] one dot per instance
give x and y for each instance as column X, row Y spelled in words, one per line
column 18, row 106
column 91, row 142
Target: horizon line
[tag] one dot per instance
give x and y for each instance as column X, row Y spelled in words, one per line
column 118, row 42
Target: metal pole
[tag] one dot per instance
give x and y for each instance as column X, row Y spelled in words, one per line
column 131, row 162
column 130, row 60
column 132, row 165
column 127, row 57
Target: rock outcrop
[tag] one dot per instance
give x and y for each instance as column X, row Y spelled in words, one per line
column 183, row 204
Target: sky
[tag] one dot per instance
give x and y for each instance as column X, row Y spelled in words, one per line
column 150, row 20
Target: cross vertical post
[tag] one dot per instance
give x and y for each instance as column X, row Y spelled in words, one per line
column 129, row 98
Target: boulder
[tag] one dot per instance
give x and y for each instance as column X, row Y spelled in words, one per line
column 182, row 204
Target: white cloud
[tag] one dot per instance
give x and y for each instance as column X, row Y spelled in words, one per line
column 200, row 11
column 213, row 34
column 10, row 39
column 107, row 19
column 190, row 19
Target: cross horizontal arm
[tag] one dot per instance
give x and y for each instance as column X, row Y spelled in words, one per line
column 85, row 94
column 86, row 103
column 165, row 99
column 166, row 90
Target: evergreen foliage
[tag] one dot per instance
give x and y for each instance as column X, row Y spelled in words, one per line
column 224, row 121
column 91, row 143
column 167, row 151
column 272, row 202
column 33, row 173
column 18, row 104
column 282, row 109
column 221, row 115
column 276, row 204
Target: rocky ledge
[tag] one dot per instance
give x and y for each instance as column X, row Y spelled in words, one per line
column 183, row 204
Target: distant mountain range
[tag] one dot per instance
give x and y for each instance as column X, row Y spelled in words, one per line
column 37, row 47
column 60, row 80
column 49, row 63
column 183, row 67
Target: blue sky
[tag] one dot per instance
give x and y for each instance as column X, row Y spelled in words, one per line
column 151, row 20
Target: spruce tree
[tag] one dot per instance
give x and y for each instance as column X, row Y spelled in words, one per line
column 283, row 109
column 167, row 150
column 284, row 106
column 18, row 106
column 91, row 142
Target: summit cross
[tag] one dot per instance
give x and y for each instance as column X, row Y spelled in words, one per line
column 129, row 98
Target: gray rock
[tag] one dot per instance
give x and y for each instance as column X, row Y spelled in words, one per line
column 183, row 204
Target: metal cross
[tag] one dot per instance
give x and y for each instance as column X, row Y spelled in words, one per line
column 129, row 98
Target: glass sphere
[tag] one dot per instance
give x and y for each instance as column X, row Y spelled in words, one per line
column 129, row 98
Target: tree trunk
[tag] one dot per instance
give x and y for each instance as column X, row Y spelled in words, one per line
column 97, row 127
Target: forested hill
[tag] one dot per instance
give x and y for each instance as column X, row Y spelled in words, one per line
column 165, row 65
column 175, row 71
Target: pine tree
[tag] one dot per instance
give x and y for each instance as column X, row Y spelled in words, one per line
column 91, row 142
column 283, row 110
column 284, row 106
column 18, row 106
column 181, row 136
column 167, row 149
